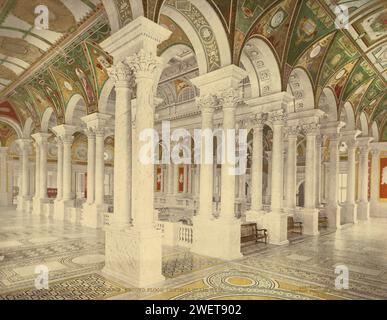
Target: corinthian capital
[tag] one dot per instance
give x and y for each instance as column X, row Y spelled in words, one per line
column 229, row 98
column 277, row 117
column 121, row 74
column 310, row 128
column 258, row 121
column 291, row 131
column 143, row 62
column 207, row 102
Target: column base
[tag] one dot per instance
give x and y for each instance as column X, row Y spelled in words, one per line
column 310, row 221
column 277, row 225
column 133, row 256
column 349, row 213
column 5, row 199
column 217, row 238
column 363, row 210
column 93, row 215
column 60, row 209
column 333, row 213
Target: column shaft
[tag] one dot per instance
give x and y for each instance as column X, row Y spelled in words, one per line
column 276, row 169
column 43, row 170
column 67, row 170
column 310, row 172
column 99, row 168
column 291, row 172
column 256, row 169
column 91, row 155
column 59, row 173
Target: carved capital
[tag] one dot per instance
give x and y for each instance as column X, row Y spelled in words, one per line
column 90, row 133
column 229, row 98
column 207, row 103
column 310, row 129
column 143, row 63
column 291, row 131
column 374, row 152
column 278, row 117
column 121, row 74
column 258, row 121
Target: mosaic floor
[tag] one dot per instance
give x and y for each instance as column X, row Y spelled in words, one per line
column 305, row 269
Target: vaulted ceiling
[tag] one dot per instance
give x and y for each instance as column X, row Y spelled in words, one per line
column 41, row 69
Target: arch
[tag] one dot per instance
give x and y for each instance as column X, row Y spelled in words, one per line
column 172, row 52
column 14, row 125
column 375, row 131
column 76, row 108
column 327, row 103
column 348, row 116
column 262, row 67
column 363, row 124
column 47, row 118
column 104, row 105
column 28, row 127
column 300, row 86
column 136, row 9
column 197, row 45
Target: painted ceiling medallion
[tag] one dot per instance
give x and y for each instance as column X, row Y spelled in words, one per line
column 315, row 51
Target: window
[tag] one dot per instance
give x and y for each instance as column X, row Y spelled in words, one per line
column 343, row 187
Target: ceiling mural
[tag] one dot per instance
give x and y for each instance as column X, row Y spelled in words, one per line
column 7, row 134
column 302, row 34
column 273, row 25
column 8, row 111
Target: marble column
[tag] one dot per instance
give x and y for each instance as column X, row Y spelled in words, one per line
column 309, row 212
column 350, row 206
column 144, row 65
column 332, row 208
column 291, row 171
column 95, row 208
column 24, row 199
column 256, row 170
column 318, row 171
column 363, row 210
column 269, row 171
column 59, row 172
column 206, row 180
column 132, row 244
column 65, row 133
column 67, row 170
column 229, row 100
column 277, row 218
column 374, row 198
column 4, row 190
column 219, row 237
column 123, row 80
column 37, row 173
column 100, row 167
column 90, row 166
column 41, row 142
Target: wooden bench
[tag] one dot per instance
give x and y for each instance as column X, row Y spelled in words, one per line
column 294, row 226
column 250, row 232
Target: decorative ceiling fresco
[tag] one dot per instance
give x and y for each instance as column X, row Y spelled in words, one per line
column 45, row 68
column 7, row 134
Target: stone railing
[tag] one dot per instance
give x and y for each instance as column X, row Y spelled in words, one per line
column 185, row 236
column 175, row 233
